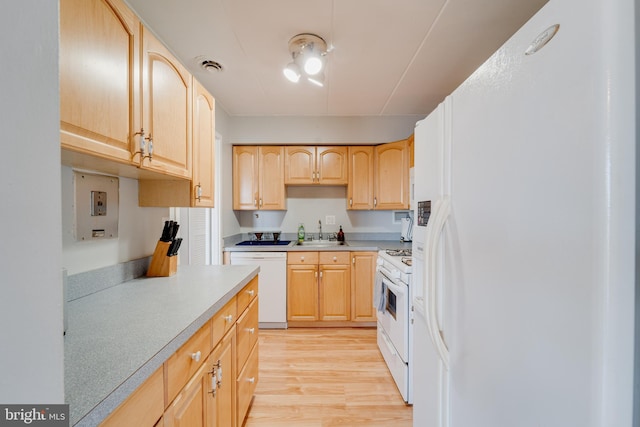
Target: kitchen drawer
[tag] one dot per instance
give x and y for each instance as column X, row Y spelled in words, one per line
column 302, row 258
column 185, row 362
column 223, row 321
column 335, row 257
column 246, row 295
column 144, row 407
column 246, row 332
column 247, row 382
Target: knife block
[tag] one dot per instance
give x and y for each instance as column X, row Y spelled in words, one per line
column 161, row 264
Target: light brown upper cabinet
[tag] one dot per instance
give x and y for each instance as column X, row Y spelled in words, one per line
column 326, row 165
column 360, row 188
column 204, row 139
column 258, row 177
column 166, row 109
column 99, row 78
column 391, row 176
column 199, row 191
column 410, row 144
column 379, row 177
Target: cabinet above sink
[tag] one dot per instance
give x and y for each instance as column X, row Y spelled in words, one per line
column 376, row 176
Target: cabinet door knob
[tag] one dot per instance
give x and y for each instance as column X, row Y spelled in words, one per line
column 251, row 380
column 301, row 259
column 251, row 330
column 228, row 318
column 196, row 356
column 251, row 292
column 335, row 258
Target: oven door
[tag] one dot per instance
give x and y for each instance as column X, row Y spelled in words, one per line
column 395, row 317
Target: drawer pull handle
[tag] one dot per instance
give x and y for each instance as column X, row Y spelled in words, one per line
column 251, row 330
column 251, row 380
column 228, row 318
column 335, row 258
column 196, row 356
column 251, row 292
column 301, row 259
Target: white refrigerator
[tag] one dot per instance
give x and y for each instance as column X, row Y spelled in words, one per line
column 523, row 303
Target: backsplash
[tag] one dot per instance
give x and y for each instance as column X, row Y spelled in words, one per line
column 308, row 205
column 86, row 283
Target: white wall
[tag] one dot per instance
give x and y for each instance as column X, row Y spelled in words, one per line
column 229, row 221
column 31, row 359
column 138, row 230
column 320, row 130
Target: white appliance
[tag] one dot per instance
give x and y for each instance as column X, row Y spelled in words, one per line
column 272, row 286
column 393, row 301
column 524, row 273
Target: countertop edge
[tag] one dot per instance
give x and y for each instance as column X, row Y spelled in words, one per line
column 105, row 407
column 351, row 246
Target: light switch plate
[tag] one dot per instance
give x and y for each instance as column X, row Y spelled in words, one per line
column 96, row 206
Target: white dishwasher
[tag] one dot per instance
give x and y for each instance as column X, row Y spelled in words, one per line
column 272, row 286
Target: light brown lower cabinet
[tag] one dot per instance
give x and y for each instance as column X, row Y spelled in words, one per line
column 246, row 357
column 363, row 272
column 318, row 286
column 193, row 407
column 208, row 398
column 224, row 369
column 144, row 407
column 198, row 386
column 247, row 382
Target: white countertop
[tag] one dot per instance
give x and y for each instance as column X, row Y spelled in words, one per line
column 119, row 336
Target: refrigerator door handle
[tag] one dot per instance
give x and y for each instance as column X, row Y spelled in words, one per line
column 442, row 209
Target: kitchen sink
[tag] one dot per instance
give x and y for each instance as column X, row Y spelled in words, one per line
column 264, row 243
column 322, row 243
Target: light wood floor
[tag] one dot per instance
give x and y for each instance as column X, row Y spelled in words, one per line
column 325, row 378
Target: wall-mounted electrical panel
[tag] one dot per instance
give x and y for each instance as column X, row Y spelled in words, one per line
column 96, row 206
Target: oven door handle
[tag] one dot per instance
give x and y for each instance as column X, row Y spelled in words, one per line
column 398, row 290
column 386, row 273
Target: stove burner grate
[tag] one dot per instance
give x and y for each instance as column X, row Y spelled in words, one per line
column 398, row 252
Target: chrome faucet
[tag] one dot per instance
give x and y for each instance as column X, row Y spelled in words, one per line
column 320, row 228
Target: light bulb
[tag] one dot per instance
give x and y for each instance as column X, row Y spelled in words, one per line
column 313, row 64
column 292, row 72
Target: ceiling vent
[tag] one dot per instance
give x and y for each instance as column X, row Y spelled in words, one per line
column 209, row 64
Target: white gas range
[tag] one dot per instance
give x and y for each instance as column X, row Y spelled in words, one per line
column 395, row 331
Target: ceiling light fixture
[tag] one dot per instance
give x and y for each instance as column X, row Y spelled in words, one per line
column 308, row 53
column 317, row 79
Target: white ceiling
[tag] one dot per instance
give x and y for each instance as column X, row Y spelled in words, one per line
column 388, row 57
